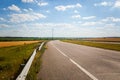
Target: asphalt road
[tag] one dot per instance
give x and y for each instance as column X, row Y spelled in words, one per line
column 67, row 61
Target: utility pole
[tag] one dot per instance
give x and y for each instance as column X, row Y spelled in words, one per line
column 52, row 33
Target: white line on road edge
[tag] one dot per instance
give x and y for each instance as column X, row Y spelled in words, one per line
column 85, row 71
column 61, row 52
column 80, row 67
column 25, row 70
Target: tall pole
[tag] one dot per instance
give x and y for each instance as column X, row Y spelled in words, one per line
column 52, row 33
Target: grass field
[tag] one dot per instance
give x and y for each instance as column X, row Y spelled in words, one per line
column 99, row 45
column 15, row 43
column 12, row 57
column 103, row 39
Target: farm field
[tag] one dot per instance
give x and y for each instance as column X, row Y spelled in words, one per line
column 104, row 39
column 12, row 56
column 93, row 44
column 15, row 43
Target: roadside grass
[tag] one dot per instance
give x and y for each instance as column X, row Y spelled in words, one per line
column 11, row 59
column 99, row 45
column 104, row 39
column 35, row 67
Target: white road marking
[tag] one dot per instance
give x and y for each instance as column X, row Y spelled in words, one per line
column 60, row 51
column 80, row 67
column 85, row 71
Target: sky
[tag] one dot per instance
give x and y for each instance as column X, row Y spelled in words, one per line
column 65, row 18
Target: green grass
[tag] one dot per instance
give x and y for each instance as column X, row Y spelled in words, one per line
column 35, row 67
column 12, row 57
column 93, row 44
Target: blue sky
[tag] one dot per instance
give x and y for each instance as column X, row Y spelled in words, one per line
column 68, row 18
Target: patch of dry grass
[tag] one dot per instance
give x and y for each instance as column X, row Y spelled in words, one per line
column 99, row 45
column 104, row 39
column 15, row 43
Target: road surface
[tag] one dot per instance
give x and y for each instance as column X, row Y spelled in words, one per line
column 67, row 61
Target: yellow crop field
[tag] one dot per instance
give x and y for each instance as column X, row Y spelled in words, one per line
column 14, row 43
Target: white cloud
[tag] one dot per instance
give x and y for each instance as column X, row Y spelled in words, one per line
column 14, row 8
column 63, row 8
column 103, row 4
column 26, row 17
column 78, row 5
column 40, row 3
column 43, row 4
column 109, row 25
column 30, row 9
column 2, row 19
column 4, row 9
column 3, row 26
column 27, row 10
column 75, row 11
column 90, row 23
column 117, row 4
column 27, row 1
column 39, row 15
column 60, row 8
column 53, row 25
column 76, row 16
column 41, row 29
column 113, row 19
column 48, row 11
column 89, row 17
